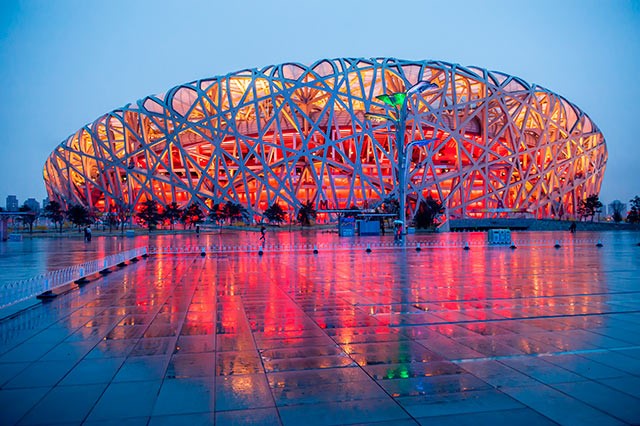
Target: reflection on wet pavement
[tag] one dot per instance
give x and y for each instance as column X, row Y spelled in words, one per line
column 487, row 336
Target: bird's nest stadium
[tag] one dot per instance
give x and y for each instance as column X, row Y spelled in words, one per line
column 481, row 142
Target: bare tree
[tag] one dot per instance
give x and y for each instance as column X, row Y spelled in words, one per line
column 618, row 210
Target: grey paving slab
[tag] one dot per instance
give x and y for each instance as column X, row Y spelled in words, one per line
column 142, row 368
column 560, row 407
column 196, row 364
column 54, row 407
column 442, row 336
column 16, row 403
column 517, row 416
column 243, row 392
column 541, row 370
column 429, row 385
column 129, row 421
column 256, row 416
column 318, row 392
column 184, row 396
column 198, row 419
column 9, row 370
column 446, row 403
column 627, row 384
column 40, row 373
column 615, row 403
column 343, row 412
column 497, row 374
column 585, row 367
column 125, row 400
column 93, row 371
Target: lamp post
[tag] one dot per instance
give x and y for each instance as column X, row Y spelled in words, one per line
column 398, row 117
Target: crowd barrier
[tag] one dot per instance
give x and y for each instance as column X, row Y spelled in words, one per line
column 18, row 291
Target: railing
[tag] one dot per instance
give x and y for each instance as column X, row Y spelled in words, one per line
column 302, row 248
column 18, row 291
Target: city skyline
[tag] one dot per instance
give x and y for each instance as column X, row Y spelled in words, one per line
column 66, row 64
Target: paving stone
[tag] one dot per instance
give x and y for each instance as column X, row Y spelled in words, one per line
column 443, row 336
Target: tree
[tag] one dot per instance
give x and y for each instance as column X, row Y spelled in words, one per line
column 275, row 214
column 427, row 212
column 634, row 212
column 172, row 213
column 589, row 207
column 618, row 210
column 306, row 213
column 390, row 206
column 216, row 214
column 233, row 210
column 111, row 219
column 124, row 213
column 192, row 215
column 149, row 214
column 78, row 215
column 28, row 217
column 53, row 211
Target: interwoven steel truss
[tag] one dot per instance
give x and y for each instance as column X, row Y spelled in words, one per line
column 291, row 133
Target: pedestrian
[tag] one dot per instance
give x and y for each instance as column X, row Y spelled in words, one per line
column 397, row 230
column 572, row 228
column 87, row 234
column 262, row 234
column 198, row 230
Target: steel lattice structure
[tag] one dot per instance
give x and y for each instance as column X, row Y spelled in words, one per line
column 291, row 133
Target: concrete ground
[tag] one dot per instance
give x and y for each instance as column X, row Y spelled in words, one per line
column 443, row 336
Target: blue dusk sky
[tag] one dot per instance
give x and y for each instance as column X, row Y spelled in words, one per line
column 64, row 63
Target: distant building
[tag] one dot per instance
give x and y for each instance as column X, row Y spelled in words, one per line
column 45, row 202
column 33, row 204
column 12, row 203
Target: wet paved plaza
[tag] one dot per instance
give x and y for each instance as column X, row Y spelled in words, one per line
column 535, row 335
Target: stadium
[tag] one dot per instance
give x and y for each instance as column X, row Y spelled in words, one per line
column 339, row 133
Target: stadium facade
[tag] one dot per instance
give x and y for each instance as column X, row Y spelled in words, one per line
column 292, row 133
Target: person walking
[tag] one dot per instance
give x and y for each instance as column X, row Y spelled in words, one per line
column 262, row 234
column 397, row 230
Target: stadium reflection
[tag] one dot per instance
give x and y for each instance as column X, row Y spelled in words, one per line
column 381, row 308
column 238, row 331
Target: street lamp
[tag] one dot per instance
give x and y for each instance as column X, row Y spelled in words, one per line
column 398, row 117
